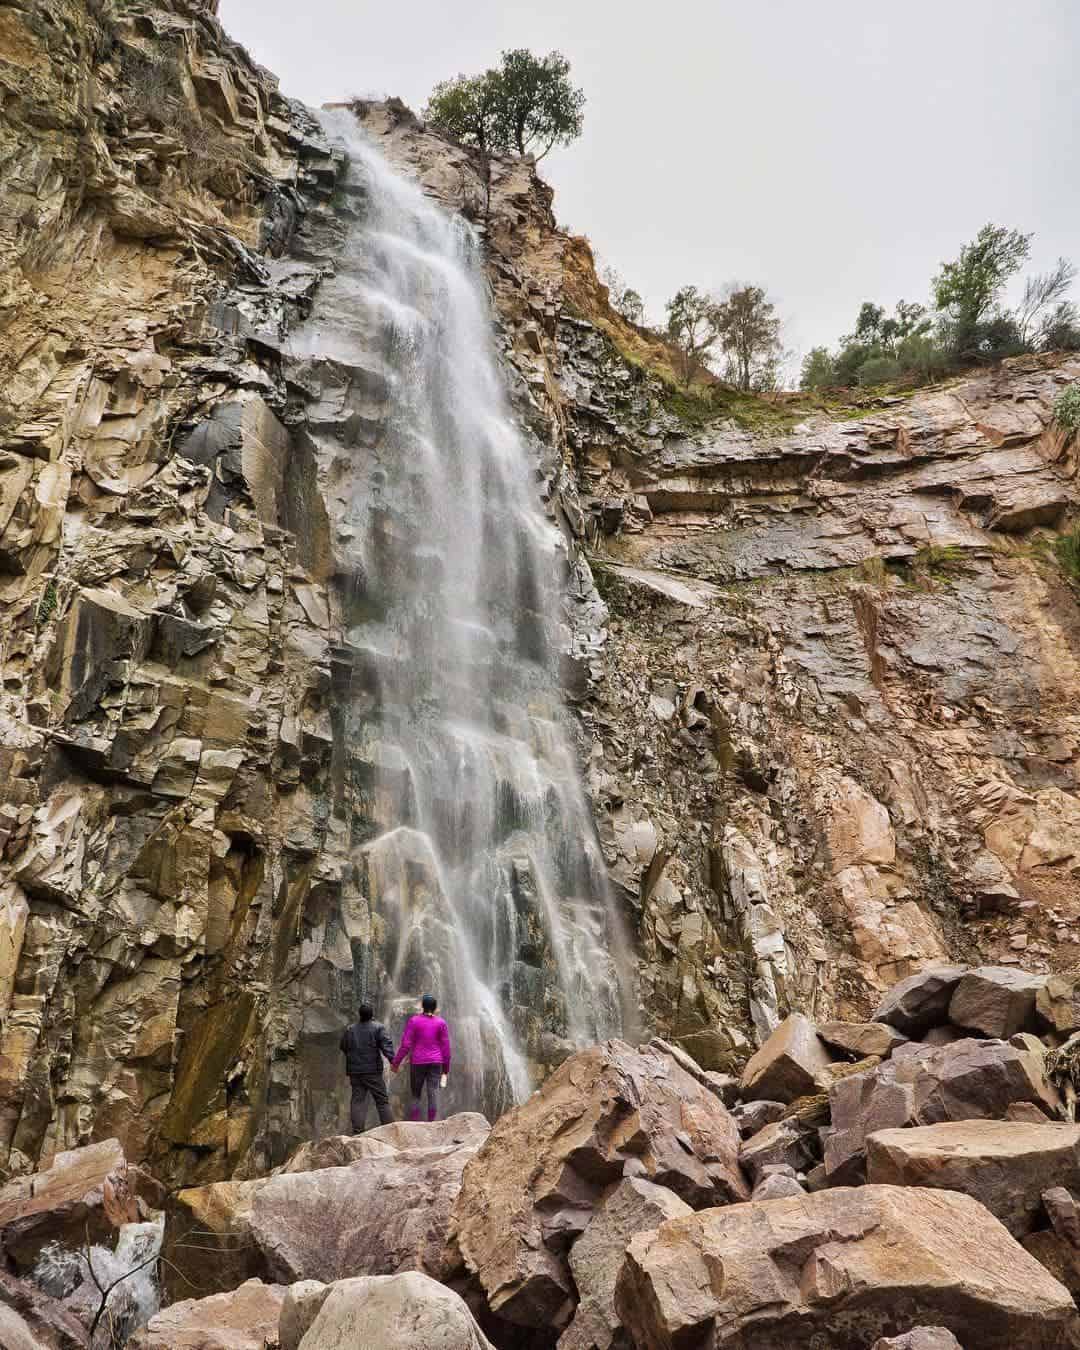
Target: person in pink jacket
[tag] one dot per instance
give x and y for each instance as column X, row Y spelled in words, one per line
column 426, row 1044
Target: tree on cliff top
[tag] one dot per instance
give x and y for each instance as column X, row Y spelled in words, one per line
column 524, row 104
column 693, row 326
column 749, row 330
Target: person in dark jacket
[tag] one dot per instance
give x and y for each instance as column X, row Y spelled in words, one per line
column 365, row 1045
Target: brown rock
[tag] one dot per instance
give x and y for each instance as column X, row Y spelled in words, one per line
column 406, row 1312
column 244, row 1319
column 597, row 1256
column 784, row 1141
column 1063, row 1213
column 920, row 1338
column 386, row 1211
column 839, row 1268
column 1004, row 1165
column 377, row 1216
column 861, row 1039
column 996, row 1001
column 788, row 1065
column 921, row 1001
column 925, row 1085
column 753, row 1116
column 535, row 1184
column 777, row 1186
column 1059, row 1257
column 47, row 1320
column 1056, row 1006
column 87, row 1190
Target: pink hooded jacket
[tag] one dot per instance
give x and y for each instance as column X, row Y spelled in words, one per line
column 426, row 1040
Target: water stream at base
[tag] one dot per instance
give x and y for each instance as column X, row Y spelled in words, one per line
column 478, row 874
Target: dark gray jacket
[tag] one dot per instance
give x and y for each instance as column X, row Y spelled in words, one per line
column 365, row 1045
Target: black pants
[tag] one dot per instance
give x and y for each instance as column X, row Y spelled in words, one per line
column 362, row 1084
column 423, row 1076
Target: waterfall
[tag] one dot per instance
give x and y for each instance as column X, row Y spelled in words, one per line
column 478, row 876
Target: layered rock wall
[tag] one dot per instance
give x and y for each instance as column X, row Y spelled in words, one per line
column 826, row 673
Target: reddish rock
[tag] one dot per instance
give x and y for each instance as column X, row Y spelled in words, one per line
column 789, row 1064
column 244, row 1319
column 1004, row 1165
column 46, row 1319
column 534, row 1186
column 997, row 1001
column 839, row 1268
column 921, row 1001
column 1059, row 1257
column 925, row 1085
column 1064, row 1214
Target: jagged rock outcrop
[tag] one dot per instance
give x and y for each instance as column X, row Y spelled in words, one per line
column 827, row 699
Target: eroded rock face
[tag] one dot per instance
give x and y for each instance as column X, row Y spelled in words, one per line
column 822, row 1269
column 607, row 1113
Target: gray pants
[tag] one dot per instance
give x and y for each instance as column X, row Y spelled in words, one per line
column 362, row 1084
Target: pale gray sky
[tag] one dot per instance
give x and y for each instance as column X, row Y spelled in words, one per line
column 833, row 150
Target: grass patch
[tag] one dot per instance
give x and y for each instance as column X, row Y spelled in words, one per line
column 1067, row 552
column 48, row 602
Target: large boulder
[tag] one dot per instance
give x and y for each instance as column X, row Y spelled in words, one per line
column 790, row 1064
column 596, row 1258
column 536, row 1183
column 996, row 1001
column 1004, row 1165
column 926, row 1085
column 244, row 1319
column 862, row 1039
column 388, row 1210
column 839, row 1268
column 921, row 1001
column 1057, row 1008
column 408, row 1312
column 88, row 1192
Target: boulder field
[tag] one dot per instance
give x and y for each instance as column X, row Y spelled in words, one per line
column 913, row 1184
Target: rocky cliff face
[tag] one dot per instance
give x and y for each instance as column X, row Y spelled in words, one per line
column 827, row 702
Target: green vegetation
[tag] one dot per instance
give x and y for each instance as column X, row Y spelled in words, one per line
column 1067, row 551
column 525, row 104
column 1067, row 408
column 967, row 325
column 47, row 604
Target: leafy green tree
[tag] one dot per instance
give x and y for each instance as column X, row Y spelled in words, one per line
column 967, row 290
column 538, row 104
column 631, row 306
column 526, row 104
column 469, row 110
column 818, row 369
column 749, row 330
column 693, row 326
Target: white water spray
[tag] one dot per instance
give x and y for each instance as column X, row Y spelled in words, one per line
column 480, row 874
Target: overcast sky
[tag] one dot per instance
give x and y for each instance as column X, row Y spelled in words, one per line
column 832, row 150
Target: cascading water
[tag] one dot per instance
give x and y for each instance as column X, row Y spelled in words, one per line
column 479, row 877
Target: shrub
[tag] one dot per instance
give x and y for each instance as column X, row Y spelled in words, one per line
column 923, row 356
column 1067, row 408
column 878, row 370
